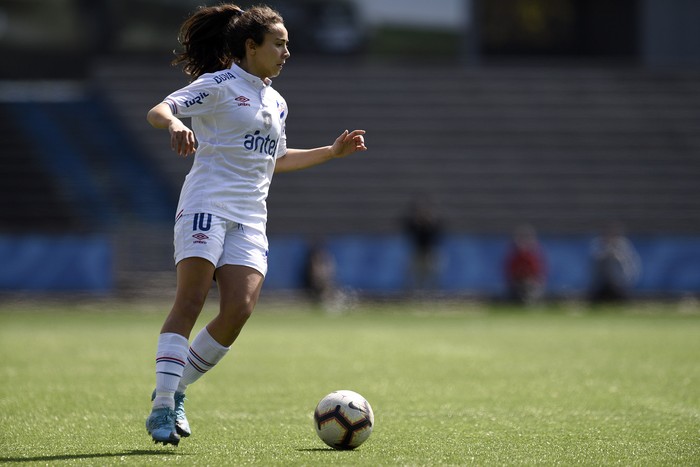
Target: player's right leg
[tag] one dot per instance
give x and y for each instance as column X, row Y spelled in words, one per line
column 194, row 278
column 182, row 425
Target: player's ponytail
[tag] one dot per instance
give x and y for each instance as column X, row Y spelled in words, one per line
column 205, row 37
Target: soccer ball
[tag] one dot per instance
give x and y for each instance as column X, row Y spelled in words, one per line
column 343, row 419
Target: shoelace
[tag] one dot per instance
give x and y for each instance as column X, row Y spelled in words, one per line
column 180, row 405
column 165, row 417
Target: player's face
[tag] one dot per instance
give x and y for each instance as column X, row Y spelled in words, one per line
column 267, row 59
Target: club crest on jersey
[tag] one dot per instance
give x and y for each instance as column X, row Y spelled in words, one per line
column 267, row 119
column 258, row 143
column 281, row 109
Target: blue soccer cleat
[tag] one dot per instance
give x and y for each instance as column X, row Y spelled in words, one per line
column 181, row 424
column 161, row 426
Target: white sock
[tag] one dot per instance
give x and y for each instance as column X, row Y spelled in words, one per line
column 170, row 363
column 203, row 354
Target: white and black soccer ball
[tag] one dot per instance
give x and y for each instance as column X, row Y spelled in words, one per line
column 344, row 419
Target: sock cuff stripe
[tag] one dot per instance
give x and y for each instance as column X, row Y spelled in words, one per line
column 199, row 359
column 176, row 361
column 167, row 373
column 196, row 367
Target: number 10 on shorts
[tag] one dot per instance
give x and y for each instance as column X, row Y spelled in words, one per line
column 202, row 221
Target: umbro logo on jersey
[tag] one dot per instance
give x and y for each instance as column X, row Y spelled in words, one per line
column 242, row 101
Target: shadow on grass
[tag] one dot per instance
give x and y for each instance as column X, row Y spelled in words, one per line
column 317, row 450
column 140, row 452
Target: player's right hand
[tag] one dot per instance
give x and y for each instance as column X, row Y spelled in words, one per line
column 182, row 139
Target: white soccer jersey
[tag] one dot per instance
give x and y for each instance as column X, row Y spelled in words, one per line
column 239, row 122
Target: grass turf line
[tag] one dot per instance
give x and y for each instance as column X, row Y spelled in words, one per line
column 459, row 385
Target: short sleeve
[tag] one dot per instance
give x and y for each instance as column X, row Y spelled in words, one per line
column 198, row 98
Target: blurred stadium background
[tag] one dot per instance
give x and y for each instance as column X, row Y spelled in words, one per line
column 563, row 114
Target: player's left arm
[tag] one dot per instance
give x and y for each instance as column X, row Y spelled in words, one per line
column 296, row 159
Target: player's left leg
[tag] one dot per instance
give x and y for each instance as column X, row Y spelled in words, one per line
column 239, row 276
column 203, row 354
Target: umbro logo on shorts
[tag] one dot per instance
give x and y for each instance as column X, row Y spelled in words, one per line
column 200, row 238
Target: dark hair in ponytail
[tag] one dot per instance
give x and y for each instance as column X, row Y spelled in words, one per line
column 204, row 40
column 213, row 37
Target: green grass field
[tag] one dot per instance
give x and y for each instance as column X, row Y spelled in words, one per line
column 449, row 383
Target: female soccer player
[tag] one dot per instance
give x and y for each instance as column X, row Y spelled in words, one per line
column 239, row 122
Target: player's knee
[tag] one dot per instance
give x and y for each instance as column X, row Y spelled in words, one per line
column 189, row 305
column 238, row 311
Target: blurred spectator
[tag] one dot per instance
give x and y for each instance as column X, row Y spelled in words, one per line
column 616, row 265
column 319, row 274
column 424, row 229
column 525, row 270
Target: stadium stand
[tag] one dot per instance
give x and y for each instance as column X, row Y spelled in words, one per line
column 68, row 166
column 30, row 199
column 566, row 149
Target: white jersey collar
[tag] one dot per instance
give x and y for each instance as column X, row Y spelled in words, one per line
column 252, row 79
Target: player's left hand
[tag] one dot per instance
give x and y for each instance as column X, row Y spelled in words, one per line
column 348, row 142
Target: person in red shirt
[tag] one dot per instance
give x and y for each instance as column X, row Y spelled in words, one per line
column 525, row 267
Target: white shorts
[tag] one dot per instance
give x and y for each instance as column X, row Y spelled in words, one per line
column 220, row 242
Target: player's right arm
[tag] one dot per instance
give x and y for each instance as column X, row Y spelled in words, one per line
column 182, row 139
